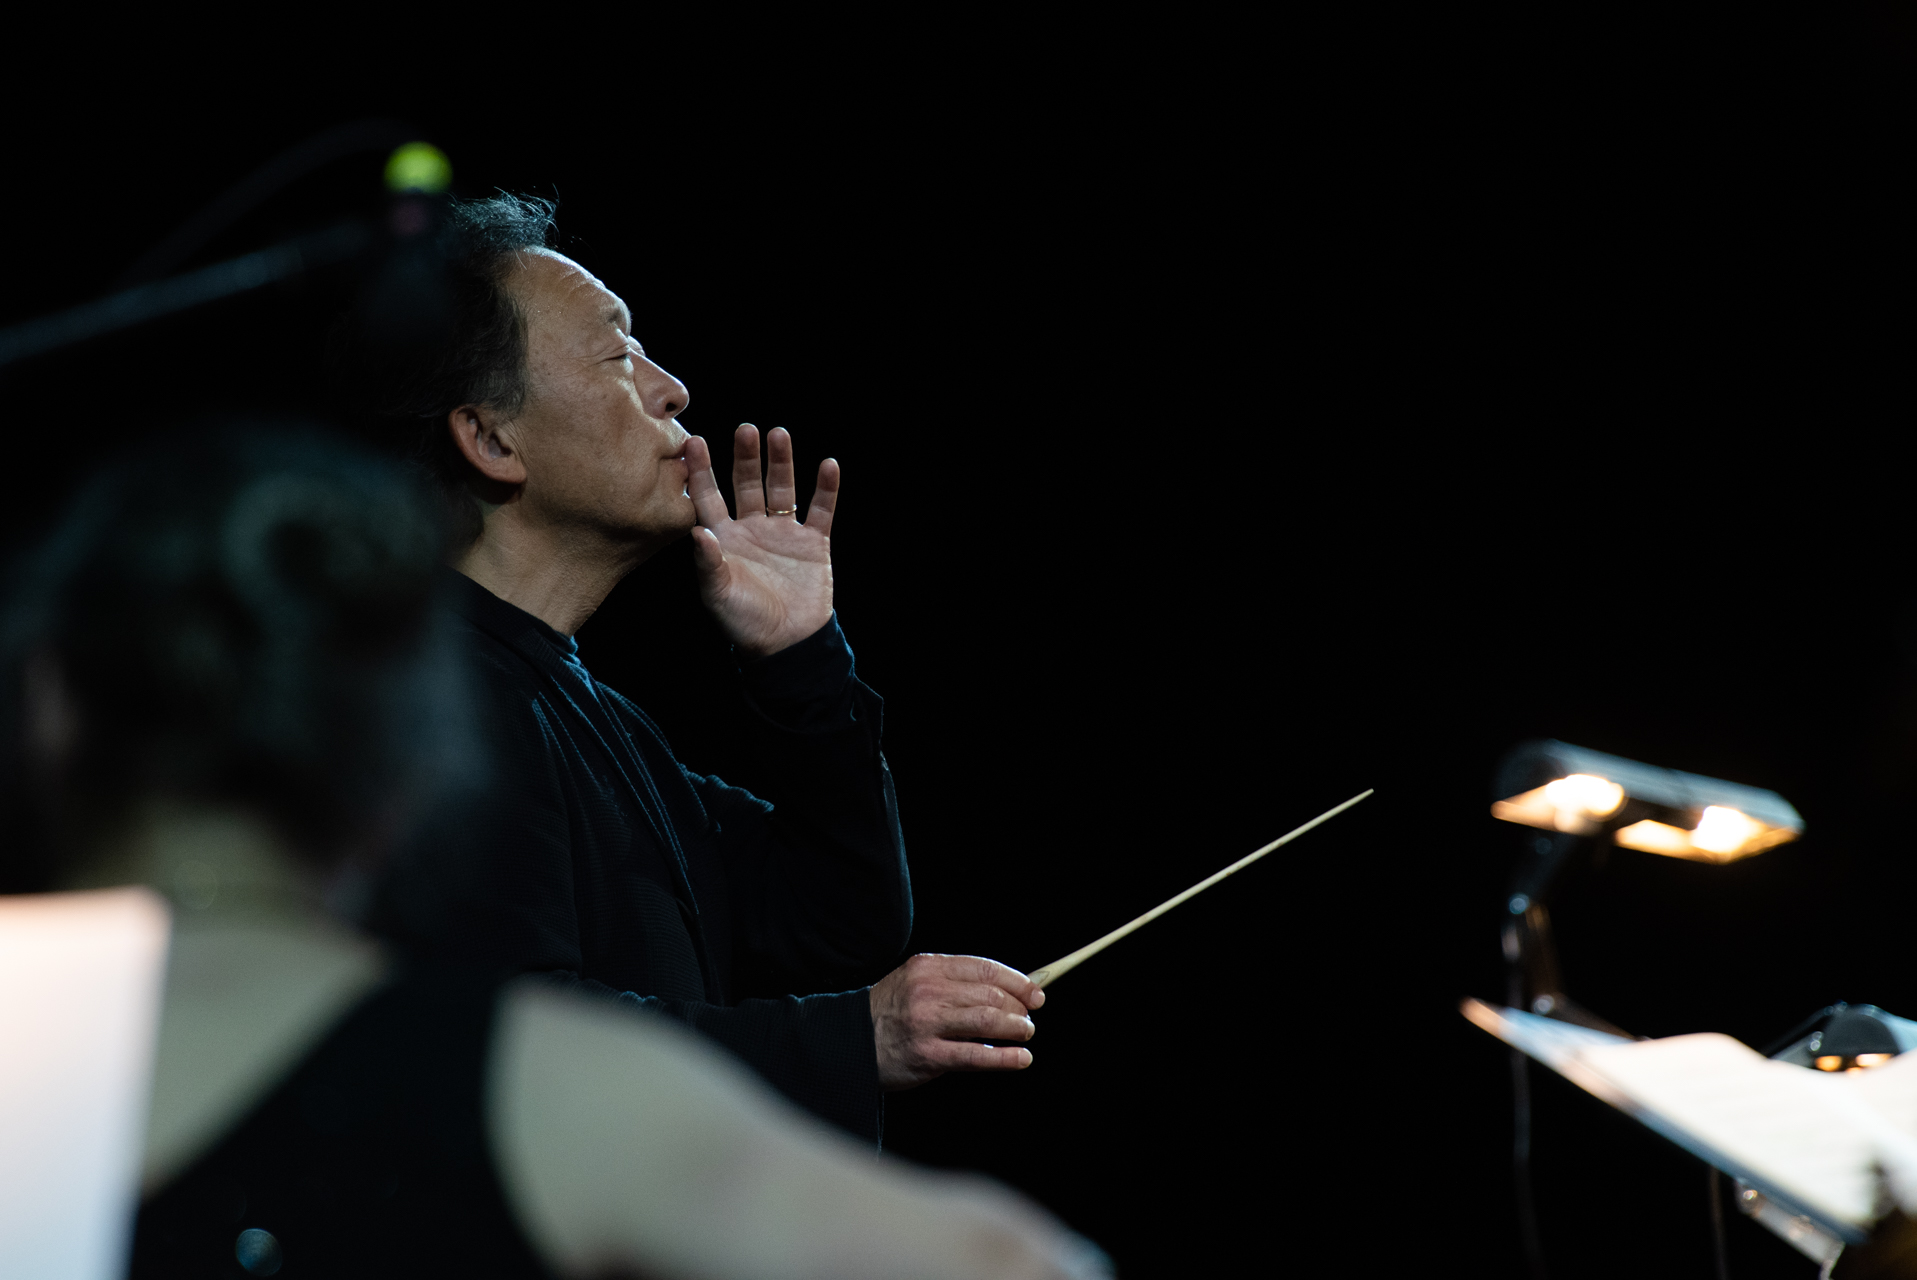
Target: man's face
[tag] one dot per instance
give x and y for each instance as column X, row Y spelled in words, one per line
column 598, row 434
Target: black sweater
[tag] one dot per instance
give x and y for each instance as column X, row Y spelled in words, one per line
column 591, row 852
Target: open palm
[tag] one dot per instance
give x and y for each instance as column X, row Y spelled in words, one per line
column 766, row 575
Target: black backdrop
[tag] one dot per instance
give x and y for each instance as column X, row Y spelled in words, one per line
column 1232, row 419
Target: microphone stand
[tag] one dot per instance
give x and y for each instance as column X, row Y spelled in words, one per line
column 146, row 302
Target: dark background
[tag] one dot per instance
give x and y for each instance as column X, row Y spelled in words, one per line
column 1233, row 418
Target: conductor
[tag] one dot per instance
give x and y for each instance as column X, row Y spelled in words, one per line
column 596, row 855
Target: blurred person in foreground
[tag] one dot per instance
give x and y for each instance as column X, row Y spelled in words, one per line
column 767, row 918
column 227, row 681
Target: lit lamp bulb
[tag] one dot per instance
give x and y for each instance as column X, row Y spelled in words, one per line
column 1722, row 834
column 1583, row 797
column 1576, row 804
column 1724, row 831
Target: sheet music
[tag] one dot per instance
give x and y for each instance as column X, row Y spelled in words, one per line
column 80, row 981
column 1773, row 1124
column 1810, row 1140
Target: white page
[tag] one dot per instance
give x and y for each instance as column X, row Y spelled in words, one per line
column 1889, row 1094
column 1797, row 1133
column 80, row 981
column 1809, row 1140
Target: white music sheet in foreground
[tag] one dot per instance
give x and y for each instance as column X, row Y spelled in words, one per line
column 1813, row 1141
column 80, row 981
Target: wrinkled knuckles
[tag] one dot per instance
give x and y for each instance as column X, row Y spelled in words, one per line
column 994, row 997
column 979, row 969
column 986, row 1022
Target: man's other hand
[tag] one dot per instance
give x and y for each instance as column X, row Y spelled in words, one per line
column 935, row 1014
column 765, row 574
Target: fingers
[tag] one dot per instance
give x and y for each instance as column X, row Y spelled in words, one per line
column 748, row 494
column 825, row 498
column 968, row 1012
column 708, row 504
column 951, row 1003
column 781, row 485
column 938, row 1013
column 959, row 1055
column 1005, row 978
column 994, row 999
column 776, row 487
column 982, row 1022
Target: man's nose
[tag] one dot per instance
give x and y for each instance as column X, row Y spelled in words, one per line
column 663, row 395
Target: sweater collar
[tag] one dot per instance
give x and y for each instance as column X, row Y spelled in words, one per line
column 503, row 621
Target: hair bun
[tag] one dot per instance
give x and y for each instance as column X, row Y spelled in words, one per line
column 310, row 551
column 247, row 616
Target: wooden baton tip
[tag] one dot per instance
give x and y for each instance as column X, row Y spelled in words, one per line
column 1065, row 964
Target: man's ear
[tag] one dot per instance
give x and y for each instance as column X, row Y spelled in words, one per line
column 481, row 441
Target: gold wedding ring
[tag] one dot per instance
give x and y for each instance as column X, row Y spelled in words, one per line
column 782, row 511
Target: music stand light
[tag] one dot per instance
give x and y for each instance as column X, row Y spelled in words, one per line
column 1581, row 797
column 1558, row 787
column 1578, row 794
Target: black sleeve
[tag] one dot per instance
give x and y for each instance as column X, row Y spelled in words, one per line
column 513, row 911
column 816, row 1050
column 815, row 884
column 816, row 879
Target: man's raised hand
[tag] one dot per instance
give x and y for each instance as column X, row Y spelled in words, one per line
column 933, row 1013
column 765, row 574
